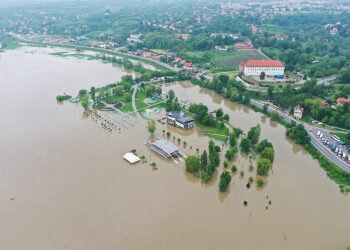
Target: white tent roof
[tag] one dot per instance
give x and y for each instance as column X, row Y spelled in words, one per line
column 130, row 157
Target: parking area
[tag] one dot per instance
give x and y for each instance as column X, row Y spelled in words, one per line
column 332, row 143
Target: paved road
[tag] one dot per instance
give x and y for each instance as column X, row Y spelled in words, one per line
column 314, row 141
column 133, row 98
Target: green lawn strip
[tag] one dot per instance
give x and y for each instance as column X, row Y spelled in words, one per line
column 140, row 104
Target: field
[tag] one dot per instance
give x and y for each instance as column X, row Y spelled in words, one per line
column 127, row 106
column 226, row 60
column 159, row 51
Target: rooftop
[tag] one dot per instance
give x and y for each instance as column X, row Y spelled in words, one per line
column 264, row 63
column 131, row 158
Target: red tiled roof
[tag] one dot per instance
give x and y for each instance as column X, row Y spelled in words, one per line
column 242, row 64
column 240, row 45
column 343, row 100
column 264, row 63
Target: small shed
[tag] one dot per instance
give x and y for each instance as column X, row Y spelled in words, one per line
column 131, row 158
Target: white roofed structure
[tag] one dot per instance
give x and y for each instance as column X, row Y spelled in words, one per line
column 131, row 158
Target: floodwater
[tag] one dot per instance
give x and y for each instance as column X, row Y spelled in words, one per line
column 64, row 185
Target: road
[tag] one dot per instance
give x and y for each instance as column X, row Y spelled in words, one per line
column 133, row 98
column 314, row 141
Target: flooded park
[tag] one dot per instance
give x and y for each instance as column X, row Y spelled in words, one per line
column 64, row 183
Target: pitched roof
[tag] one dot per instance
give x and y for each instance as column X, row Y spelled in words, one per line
column 264, row 63
column 242, row 63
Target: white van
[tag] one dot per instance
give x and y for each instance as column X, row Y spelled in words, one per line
column 318, row 133
column 336, row 150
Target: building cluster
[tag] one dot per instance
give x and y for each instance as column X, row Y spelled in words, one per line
column 256, row 67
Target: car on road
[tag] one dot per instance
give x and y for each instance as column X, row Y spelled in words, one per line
column 336, row 150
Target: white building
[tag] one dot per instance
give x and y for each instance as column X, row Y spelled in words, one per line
column 298, row 112
column 255, row 67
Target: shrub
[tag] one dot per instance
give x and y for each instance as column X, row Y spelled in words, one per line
column 241, row 173
column 260, row 182
column 275, row 116
column 251, row 179
column 225, row 164
column 61, row 98
column 251, row 168
column 168, row 134
column 234, row 169
column 142, row 157
column 154, row 164
column 133, row 150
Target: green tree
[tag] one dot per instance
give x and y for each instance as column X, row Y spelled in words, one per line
column 265, row 109
column 192, row 163
column 84, row 100
column 254, row 134
column 262, row 75
column 225, row 179
column 119, row 90
column 127, row 97
column 82, row 92
column 234, row 169
column 151, row 126
column 93, row 93
column 264, row 166
column 204, row 159
column 275, row 115
column 226, row 117
column 245, row 145
column 264, row 144
column 268, row 153
column 219, row 113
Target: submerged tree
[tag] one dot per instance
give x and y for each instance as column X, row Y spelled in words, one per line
column 151, row 126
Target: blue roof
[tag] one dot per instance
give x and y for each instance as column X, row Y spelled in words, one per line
column 185, row 119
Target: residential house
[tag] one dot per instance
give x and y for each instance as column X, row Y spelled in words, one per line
column 298, row 112
column 179, row 119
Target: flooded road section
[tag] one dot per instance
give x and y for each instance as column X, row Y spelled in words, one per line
column 64, row 185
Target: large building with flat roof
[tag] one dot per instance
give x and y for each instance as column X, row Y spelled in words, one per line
column 179, row 119
column 255, row 67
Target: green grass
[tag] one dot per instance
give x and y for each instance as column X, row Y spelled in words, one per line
column 159, row 51
column 342, row 137
column 215, row 133
column 10, row 46
column 230, row 74
column 127, row 106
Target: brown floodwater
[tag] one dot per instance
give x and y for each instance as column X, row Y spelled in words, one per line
column 64, row 185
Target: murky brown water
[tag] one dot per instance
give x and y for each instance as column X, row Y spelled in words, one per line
column 63, row 184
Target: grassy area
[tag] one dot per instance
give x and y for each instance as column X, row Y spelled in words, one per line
column 215, row 133
column 159, row 51
column 342, row 137
column 227, row 60
column 230, row 74
column 127, row 106
column 10, row 47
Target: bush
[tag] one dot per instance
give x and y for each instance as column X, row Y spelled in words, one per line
column 264, row 166
column 260, row 182
column 241, row 173
column 133, row 150
column 192, row 163
column 225, row 164
column 234, row 169
column 168, row 134
column 61, row 98
column 154, row 164
column 251, row 179
column 225, row 179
